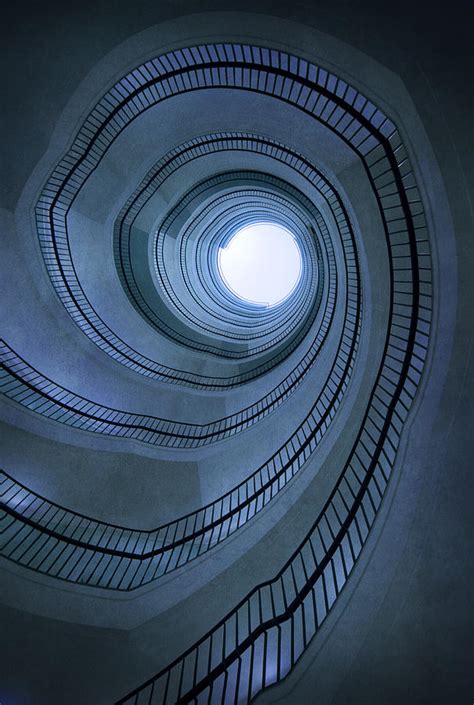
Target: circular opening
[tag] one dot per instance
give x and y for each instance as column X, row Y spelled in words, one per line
column 261, row 263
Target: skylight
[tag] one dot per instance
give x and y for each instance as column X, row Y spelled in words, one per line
column 261, row 263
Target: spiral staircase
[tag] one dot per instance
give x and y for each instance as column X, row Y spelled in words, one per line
column 207, row 499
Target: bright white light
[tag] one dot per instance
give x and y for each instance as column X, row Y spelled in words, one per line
column 261, row 263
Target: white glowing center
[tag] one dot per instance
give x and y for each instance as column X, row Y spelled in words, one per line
column 261, row 263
